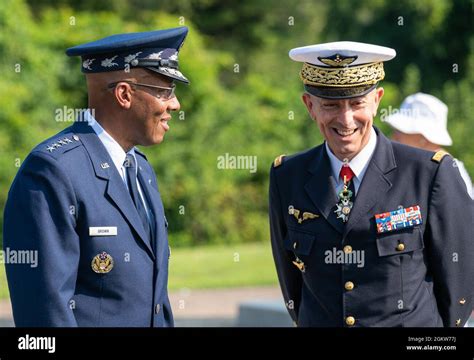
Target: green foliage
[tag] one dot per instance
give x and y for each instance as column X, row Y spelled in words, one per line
column 245, row 93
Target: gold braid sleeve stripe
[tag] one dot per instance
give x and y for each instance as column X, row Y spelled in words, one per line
column 366, row 74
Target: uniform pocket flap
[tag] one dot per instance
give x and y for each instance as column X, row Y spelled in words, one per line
column 299, row 242
column 400, row 242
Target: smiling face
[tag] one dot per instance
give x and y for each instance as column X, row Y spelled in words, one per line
column 132, row 114
column 346, row 123
column 151, row 114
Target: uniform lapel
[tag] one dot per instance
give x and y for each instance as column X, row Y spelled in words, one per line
column 154, row 201
column 374, row 184
column 321, row 188
column 115, row 189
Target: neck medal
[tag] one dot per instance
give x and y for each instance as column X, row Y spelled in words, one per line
column 345, row 204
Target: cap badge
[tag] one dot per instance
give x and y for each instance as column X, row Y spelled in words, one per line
column 337, row 60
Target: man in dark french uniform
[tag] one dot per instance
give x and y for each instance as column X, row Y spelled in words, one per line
column 87, row 200
column 366, row 231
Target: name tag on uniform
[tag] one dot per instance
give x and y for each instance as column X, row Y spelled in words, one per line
column 398, row 219
column 103, row 231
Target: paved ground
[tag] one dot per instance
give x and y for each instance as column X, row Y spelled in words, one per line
column 216, row 307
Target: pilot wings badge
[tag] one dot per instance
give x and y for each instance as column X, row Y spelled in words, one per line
column 304, row 215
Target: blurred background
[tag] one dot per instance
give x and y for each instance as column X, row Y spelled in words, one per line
column 244, row 100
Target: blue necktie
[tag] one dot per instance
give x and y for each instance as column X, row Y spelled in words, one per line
column 131, row 170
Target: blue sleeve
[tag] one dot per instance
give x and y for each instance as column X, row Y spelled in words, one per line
column 450, row 245
column 40, row 217
column 288, row 275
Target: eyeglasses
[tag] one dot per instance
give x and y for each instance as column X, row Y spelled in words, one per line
column 164, row 93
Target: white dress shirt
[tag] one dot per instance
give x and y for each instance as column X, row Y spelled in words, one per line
column 358, row 164
column 116, row 152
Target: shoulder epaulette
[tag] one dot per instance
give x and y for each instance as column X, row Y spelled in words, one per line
column 439, row 155
column 61, row 144
column 278, row 160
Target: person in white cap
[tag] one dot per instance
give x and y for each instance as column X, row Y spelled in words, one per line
column 366, row 231
column 422, row 122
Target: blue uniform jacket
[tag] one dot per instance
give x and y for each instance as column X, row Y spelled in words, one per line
column 66, row 186
column 417, row 276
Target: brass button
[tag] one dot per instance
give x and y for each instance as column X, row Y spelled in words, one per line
column 157, row 308
column 295, row 245
column 462, row 301
column 458, row 322
column 401, row 247
column 347, row 249
column 75, row 137
column 350, row 321
column 349, row 285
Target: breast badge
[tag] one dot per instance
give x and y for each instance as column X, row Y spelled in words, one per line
column 102, row 263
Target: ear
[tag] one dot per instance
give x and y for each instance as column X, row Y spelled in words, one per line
column 123, row 95
column 378, row 96
column 308, row 101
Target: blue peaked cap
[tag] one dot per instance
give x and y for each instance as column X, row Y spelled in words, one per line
column 153, row 50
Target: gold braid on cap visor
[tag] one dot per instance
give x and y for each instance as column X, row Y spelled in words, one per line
column 366, row 74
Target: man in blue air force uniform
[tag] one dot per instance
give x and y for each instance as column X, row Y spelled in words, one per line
column 88, row 202
column 366, row 231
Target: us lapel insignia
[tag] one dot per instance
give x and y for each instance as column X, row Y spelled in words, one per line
column 398, row 219
column 102, row 263
column 104, row 165
column 305, row 215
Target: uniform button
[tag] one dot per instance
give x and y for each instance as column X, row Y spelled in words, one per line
column 347, row 249
column 458, row 322
column 350, row 321
column 75, row 137
column 157, row 308
column 349, row 285
column 462, row 301
column 295, row 245
column 401, row 247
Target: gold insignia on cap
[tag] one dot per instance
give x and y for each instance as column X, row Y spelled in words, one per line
column 278, row 160
column 338, row 60
column 102, row 263
column 439, row 155
column 348, row 76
